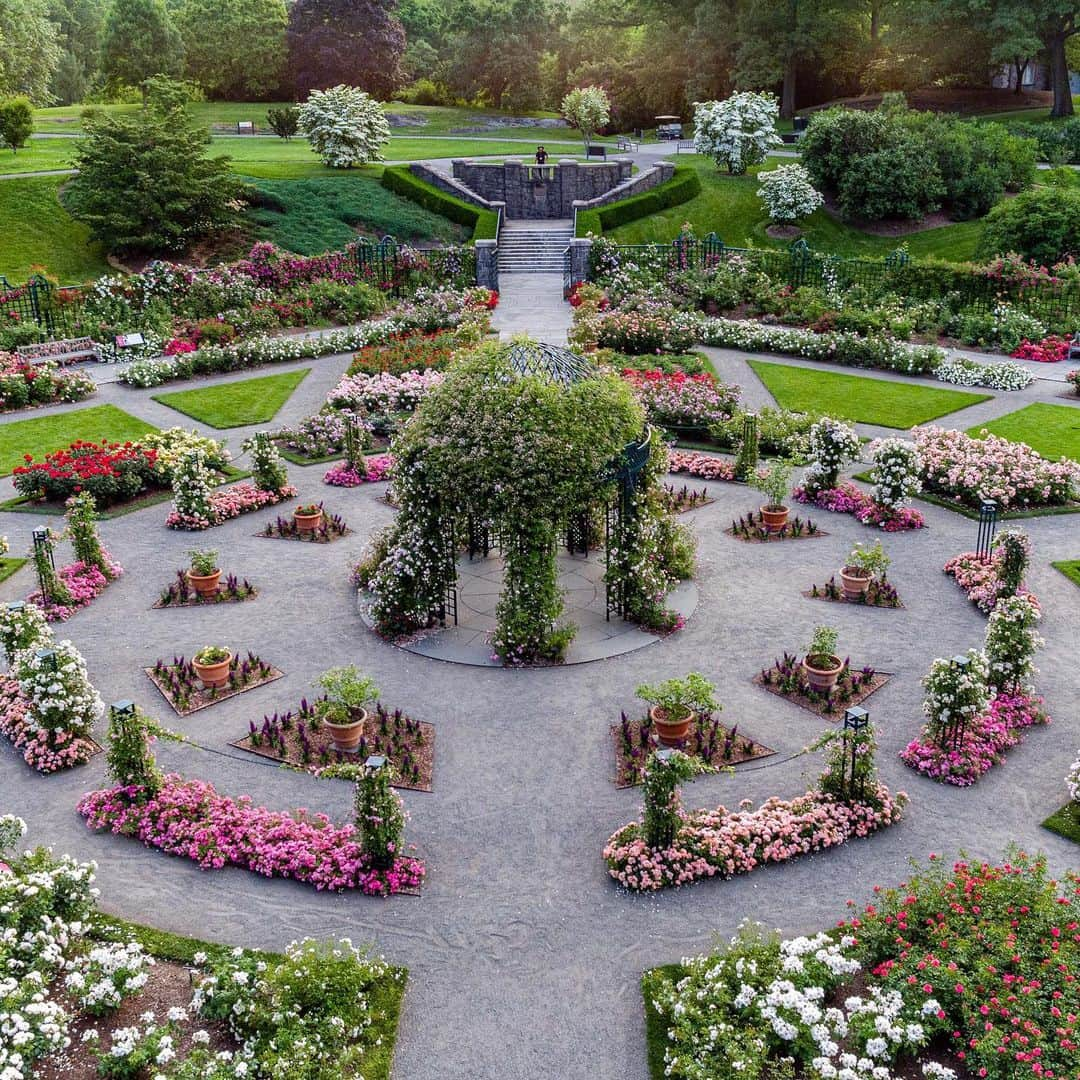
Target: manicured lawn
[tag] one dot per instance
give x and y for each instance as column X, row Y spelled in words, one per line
column 43, row 434
column 1071, row 569
column 38, row 155
column 854, row 397
column 9, row 566
column 730, row 207
column 236, row 404
column 1065, row 822
column 1050, row 430
column 37, row 231
column 324, row 213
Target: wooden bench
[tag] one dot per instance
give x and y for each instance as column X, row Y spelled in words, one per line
column 65, row 351
column 245, row 127
column 596, row 151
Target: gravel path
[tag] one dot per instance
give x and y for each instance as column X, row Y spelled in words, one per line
column 524, row 956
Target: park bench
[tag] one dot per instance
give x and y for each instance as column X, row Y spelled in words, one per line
column 245, row 127
column 625, row 143
column 65, row 351
column 596, row 151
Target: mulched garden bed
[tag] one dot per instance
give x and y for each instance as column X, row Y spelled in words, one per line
column 333, row 528
column 680, row 500
column 785, row 679
column 709, row 741
column 180, row 593
column 297, row 738
column 750, row 529
column 181, row 688
column 880, row 595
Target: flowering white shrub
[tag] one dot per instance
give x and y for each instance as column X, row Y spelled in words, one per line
column 788, row 193
column 955, row 693
column 895, row 472
column 102, row 977
column 586, row 108
column 1073, row 781
column 1000, row 376
column 344, row 125
column 832, row 445
column 738, row 132
column 23, row 628
column 57, row 690
column 1011, row 641
column 191, row 484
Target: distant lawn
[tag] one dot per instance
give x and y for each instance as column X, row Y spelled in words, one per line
column 37, row 156
column 1070, row 568
column 43, row 434
column 730, row 207
column 1065, row 822
column 35, row 230
column 324, row 213
column 853, row 397
column 1050, row 430
column 236, row 404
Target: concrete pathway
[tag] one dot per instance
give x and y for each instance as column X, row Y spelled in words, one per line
column 524, row 956
column 532, row 304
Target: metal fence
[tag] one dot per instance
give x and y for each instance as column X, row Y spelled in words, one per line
column 1054, row 301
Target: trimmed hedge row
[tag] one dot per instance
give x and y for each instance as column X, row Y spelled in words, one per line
column 401, row 181
column 684, row 185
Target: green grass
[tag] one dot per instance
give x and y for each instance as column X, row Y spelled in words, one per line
column 38, row 231
column 656, row 1039
column 1065, row 822
column 236, row 404
column 1070, row 568
column 38, row 155
column 385, row 997
column 730, row 207
column 43, row 434
column 1050, row 430
column 854, row 397
column 9, row 566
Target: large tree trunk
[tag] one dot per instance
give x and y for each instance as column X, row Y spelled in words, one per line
column 875, row 22
column 787, row 94
column 1021, row 66
column 1059, row 76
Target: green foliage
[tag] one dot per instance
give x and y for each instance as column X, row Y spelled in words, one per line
column 129, row 758
column 747, row 459
column 588, row 109
column 774, row 483
column 871, row 559
column 29, row 49
column 16, row 122
column 850, row 772
column 660, row 791
column 678, row 697
column 267, row 468
column 400, row 180
column 82, row 528
column 684, row 185
column 284, row 122
column 140, row 40
column 379, row 816
column 823, row 643
column 348, row 688
column 204, row 562
column 1042, row 225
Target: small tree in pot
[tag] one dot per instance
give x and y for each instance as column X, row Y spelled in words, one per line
column 343, row 711
column 774, row 483
column 862, row 566
column 676, row 703
column 205, row 573
column 822, row 666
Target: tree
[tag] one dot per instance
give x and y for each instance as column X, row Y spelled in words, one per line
column 344, row 125
column 352, row 42
column 29, row 50
column 738, row 132
column 284, row 123
column 588, row 109
column 140, row 40
column 145, row 183
column 16, row 122
column 235, row 49
column 80, row 25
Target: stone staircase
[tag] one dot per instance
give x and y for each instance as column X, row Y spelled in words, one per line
column 533, row 247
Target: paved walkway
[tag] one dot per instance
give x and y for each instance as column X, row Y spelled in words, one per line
column 524, row 956
column 532, row 304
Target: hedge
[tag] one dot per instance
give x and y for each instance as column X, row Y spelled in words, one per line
column 402, row 181
column 684, row 185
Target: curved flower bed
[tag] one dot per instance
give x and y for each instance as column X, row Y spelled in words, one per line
column 693, row 464
column 190, row 819
column 23, row 384
column 85, row 583
column 983, row 745
column 725, row 843
column 344, row 475
column 383, row 392
column 675, row 399
column 846, row 498
column 44, row 750
column 978, row 576
column 229, row 503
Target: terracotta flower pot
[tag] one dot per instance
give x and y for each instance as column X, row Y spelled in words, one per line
column 774, row 520
column 306, row 523
column 347, row 736
column 204, row 584
column 855, row 581
column 824, row 678
column 670, row 732
column 213, row 675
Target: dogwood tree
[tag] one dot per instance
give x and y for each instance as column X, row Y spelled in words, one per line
column 344, row 125
column 738, row 132
column 588, row 109
column 788, row 194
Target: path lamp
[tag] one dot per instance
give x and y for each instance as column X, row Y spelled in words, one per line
column 988, row 515
column 374, row 763
column 47, row 657
column 856, row 720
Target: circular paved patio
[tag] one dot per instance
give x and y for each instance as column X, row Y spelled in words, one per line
column 524, row 956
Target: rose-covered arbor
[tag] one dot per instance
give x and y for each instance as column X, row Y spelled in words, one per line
column 525, row 446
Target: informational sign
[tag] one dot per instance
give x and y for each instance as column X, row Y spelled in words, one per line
column 126, row 341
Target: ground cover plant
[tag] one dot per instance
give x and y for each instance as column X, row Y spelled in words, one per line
column 236, row 404
column 858, row 398
column 1052, row 431
column 182, row 688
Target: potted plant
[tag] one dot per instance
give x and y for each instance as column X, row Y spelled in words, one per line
column 774, row 483
column 676, row 703
column 821, row 664
column 308, row 517
column 205, row 573
column 211, row 664
column 862, row 566
column 348, row 690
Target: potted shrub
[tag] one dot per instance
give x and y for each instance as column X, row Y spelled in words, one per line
column 348, row 690
column 774, row 483
column 211, row 664
column 308, row 517
column 205, row 573
column 821, row 664
column 676, row 703
column 862, row 566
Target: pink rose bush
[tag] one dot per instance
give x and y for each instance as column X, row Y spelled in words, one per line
column 384, row 392
column 694, row 464
column 679, row 400
column 982, row 745
column 725, row 843
column 190, row 819
column 45, row 750
column 980, row 577
column 344, row 475
column 846, row 498
column 228, row 503
column 967, row 470
column 84, row 583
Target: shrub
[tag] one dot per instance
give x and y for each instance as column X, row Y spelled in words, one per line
column 344, row 125
column 284, row 123
column 891, row 182
column 1042, row 224
column 788, row 194
column 738, row 132
column 400, row 180
column 16, row 122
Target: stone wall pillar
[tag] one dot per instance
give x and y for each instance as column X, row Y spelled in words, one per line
column 579, row 259
column 487, row 264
